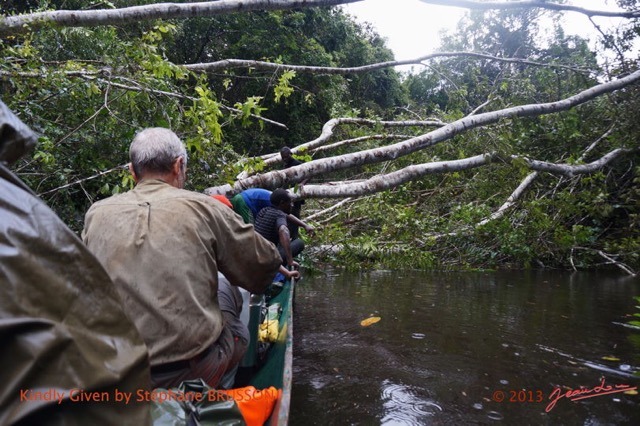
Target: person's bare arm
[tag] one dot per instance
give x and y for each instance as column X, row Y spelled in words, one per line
column 291, row 218
column 289, row 274
column 285, row 241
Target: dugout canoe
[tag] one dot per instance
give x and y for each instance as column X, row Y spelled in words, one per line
column 277, row 370
column 272, row 368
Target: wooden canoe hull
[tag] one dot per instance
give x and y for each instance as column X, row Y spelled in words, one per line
column 277, row 371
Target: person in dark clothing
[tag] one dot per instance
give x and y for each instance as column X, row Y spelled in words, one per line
column 289, row 161
column 283, row 272
column 250, row 201
column 271, row 223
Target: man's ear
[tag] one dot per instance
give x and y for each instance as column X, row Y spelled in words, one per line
column 133, row 173
column 176, row 168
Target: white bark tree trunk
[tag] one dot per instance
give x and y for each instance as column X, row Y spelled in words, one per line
column 92, row 18
column 280, row 178
column 87, row 18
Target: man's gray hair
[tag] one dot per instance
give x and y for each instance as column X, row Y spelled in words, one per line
column 155, row 150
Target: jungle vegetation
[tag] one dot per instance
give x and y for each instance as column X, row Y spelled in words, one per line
column 514, row 145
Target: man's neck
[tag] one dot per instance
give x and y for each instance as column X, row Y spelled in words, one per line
column 166, row 178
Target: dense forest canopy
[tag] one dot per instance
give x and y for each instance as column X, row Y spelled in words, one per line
column 511, row 146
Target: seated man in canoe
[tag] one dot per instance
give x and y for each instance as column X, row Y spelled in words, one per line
column 163, row 247
column 249, row 202
column 271, row 223
column 283, row 273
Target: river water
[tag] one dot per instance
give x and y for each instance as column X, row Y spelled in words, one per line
column 466, row 348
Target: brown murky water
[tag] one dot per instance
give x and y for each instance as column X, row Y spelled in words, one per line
column 466, row 348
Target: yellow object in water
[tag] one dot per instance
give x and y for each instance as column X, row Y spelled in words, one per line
column 268, row 331
column 371, row 320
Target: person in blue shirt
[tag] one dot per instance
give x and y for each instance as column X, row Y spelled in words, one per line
column 249, row 202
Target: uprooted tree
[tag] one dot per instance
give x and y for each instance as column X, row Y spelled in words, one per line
column 503, row 148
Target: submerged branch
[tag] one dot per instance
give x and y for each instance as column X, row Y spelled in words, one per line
column 615, row 262
column 610, row 260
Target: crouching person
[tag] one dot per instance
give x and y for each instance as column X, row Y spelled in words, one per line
column 163, row 246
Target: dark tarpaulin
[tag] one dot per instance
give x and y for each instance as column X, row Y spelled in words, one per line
column 63, row 333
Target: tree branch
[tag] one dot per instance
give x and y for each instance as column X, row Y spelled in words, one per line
column 92, row 76
column 79, row 181
column 357, row 140
column 92, row 18
column 570, row 170
column 329, row 209
column 391, row 180
column 615, row 262
column 242, row 63
column 327, row 132
column 610, row 260
column 515, row 195
column 296, row 174
column 470, row 4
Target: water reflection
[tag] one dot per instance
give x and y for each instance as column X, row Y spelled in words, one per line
column 449, row 343
column 404, row 406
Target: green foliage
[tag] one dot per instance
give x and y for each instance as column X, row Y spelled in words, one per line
column 87, row 91
column 636, row 323
column 204, row 116
column 301, row 101
column 284, row 89
column 251, row 107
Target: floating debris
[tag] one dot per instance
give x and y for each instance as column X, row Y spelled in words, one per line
column 371, row 320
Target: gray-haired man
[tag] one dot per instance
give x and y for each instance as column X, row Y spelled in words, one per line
column 163, row 247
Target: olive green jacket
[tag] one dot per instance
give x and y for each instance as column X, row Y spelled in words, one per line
column 163, row 248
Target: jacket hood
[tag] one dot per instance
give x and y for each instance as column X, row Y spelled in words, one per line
column 16, row 138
